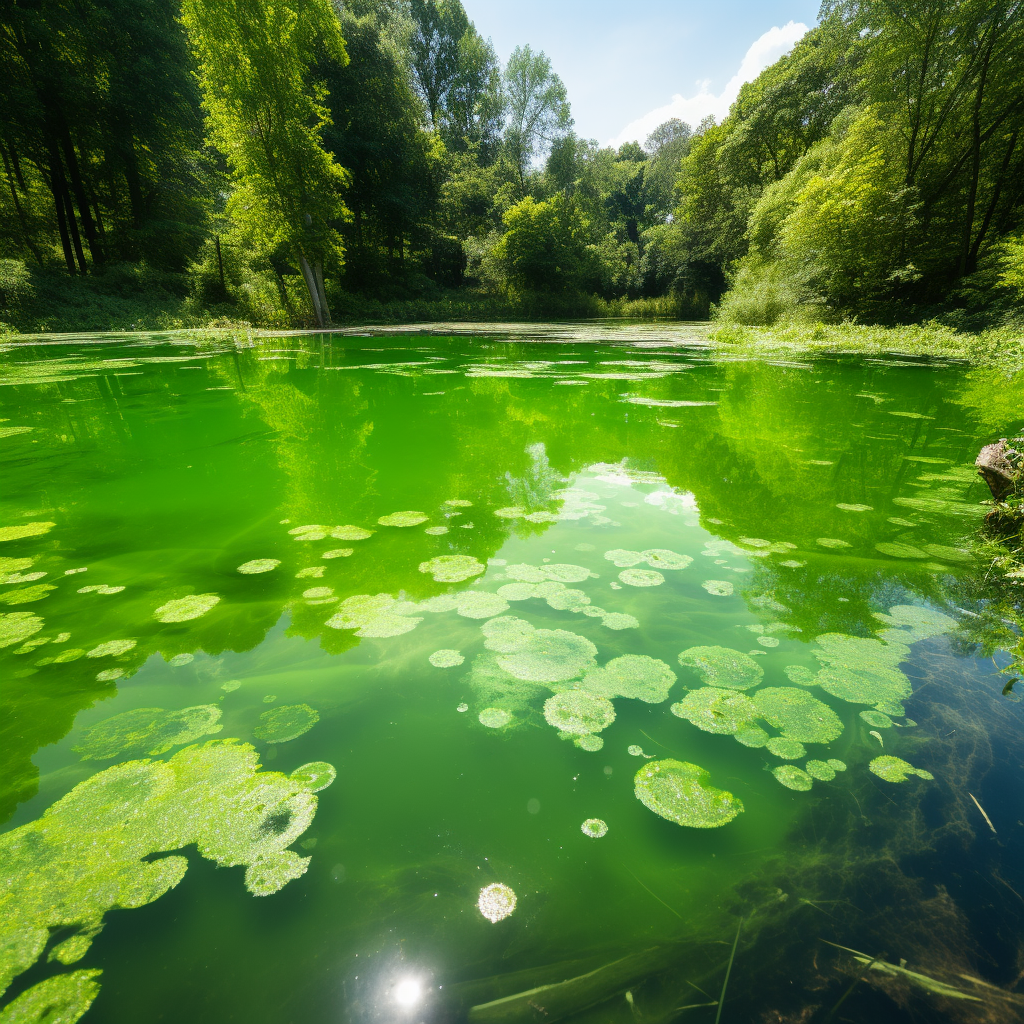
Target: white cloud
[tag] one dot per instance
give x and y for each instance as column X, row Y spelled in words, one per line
column 693, row 109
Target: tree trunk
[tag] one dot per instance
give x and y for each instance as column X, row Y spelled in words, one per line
column 62, row 224
column 314, row 296
column 21, row 213
column 84, row 213
column 318, row 274
column 220, row 266
column 131, row 176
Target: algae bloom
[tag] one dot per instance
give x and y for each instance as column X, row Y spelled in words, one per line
column 446, row 658
column 351, row 533
column 372, row 615
column 112, row 648
column 722, row 666
column 641, row 577
column 595, row 828
column 632, row 675
column 496, row 902
column 718, row 588
column 895, row 769
column 258, row 565
column 150, row 731
column 680, row 792
column 494, row 718
column 578, row 712
column 90, row 852
column 186, row 608
column 793, row 778
column 400, row 519
column 16, row 627
column 453, row 568
column 315, row 776
column 286, row 723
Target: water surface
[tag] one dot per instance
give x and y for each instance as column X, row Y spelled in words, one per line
column 784, row 501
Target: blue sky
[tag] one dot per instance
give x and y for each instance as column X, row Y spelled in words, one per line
column 623, row 63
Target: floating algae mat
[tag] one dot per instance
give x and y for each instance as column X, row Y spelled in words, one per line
column 326, row 658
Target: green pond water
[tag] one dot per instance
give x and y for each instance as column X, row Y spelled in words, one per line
column 410, row 559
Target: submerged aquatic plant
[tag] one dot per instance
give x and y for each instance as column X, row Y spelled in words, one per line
column 722, row 666
column 895, row 769
column 636, row 676
column 496, row 901
column 453, row 568
column 680, row 792
column 285, row 723
column 150, row 731
column 91, row 851
column 183, row 609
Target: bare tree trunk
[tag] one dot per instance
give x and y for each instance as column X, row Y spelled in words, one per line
column 84, row 213
column 311, row 287
column 21, row 213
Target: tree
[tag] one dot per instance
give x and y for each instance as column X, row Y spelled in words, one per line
column 546, row 245
column 538, row 108
column 267, row 117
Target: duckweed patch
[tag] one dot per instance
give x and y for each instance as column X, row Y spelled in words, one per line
column 635, row 676
column 578, row 712
column 895, row 769
column 258, row 565
column 453, row 568
column 184, row 609
column 446, row 658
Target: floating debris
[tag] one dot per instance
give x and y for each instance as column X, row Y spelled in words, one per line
column 988, row 820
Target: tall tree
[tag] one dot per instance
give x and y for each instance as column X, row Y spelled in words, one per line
column 267, row 116
column 538, row 108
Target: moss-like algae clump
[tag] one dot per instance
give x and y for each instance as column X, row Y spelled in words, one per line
column 722, row 666
column 895, row 769
column 286, row 723
column 147, row 731
column 636, row 676
column 91, row 851
column 680, row 792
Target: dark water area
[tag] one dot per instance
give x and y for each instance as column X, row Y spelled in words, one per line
column 432, row 677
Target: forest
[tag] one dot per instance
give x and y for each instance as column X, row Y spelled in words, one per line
column 302, row 162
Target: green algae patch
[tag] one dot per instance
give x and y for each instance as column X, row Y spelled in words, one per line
column 16, row 627
column 403, row 519
column 897, row 550
column 723, row 666
column 352, row 532
column 636, row 676
column 793, row 778
column 28, row 595
column 800, row 674
column 453, row 568
column 641, row 577
column 59, row 1000
column 446, row 658
column 718, row 588
column 90, row 851
column 22, row 532
column 911, row 622
column 285, row 723
column 150, row 731
column 820, row 770
column 895, row 769
column 715, row 710
column 786, row 748
column 314, row 776
column 861, row 670
column 594, row 828
column 877, row 719
column 372, row 615
column 797, row 714
column 681, row 792
column 258, row 565
column 183, row 609
column 538, row 655
column 112, row 648
column 578, row 712
column 494, row 718
column 496, row 901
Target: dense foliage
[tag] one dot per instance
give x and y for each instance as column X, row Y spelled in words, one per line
column 275, row 161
